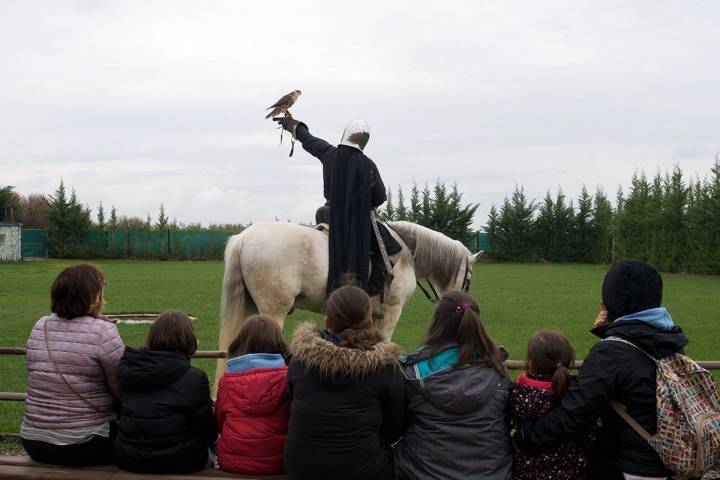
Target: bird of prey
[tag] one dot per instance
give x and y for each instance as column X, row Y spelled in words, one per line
column 281, row 106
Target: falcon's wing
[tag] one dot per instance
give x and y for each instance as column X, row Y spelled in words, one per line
column 287, row 99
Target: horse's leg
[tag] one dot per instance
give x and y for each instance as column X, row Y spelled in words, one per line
column 391, row 315
column 277, row 300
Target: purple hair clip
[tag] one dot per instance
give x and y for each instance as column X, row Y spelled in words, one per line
column 462, row 308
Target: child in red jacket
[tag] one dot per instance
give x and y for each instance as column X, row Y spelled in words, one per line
column 253, row 405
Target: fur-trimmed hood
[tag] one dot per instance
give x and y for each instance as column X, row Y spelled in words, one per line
column 339, row 366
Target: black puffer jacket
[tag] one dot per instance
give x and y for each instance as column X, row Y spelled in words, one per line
column 167, row 423
column 612, row 371
column 347, row 407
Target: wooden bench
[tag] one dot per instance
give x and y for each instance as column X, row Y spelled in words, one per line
column 15, row 468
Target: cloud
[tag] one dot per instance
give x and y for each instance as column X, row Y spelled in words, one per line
column 141, row 103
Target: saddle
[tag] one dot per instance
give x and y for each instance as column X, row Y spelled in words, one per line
column 391, row 245
column 381, row 263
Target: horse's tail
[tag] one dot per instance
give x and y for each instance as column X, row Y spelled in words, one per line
column 234, row 304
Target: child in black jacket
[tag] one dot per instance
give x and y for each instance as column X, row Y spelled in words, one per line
column 167, row 423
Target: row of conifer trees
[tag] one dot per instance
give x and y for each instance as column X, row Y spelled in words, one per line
column 669, row 220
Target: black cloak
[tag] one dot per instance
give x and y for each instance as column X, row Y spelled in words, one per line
column 352, row 187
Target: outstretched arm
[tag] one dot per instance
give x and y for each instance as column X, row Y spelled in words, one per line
column 317, row 147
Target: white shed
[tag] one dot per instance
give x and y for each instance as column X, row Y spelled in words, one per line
column 10, row 242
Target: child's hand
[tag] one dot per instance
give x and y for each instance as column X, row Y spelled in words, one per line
column 601, row 318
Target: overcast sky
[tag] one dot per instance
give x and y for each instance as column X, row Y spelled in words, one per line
column 134, row 103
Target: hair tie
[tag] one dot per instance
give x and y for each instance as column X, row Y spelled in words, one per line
column 462, row 308
column 559, row 365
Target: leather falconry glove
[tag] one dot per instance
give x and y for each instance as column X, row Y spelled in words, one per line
column 288, row 123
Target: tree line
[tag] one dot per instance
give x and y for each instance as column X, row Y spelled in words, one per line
column 668, row 220
column 440, row 208
column 75, row 231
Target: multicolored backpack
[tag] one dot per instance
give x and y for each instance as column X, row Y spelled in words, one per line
column 688, row 416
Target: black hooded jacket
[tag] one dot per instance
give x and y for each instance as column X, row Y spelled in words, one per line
column 352, row 186
column 611, row 371
column 167, row 423
column 347, row 407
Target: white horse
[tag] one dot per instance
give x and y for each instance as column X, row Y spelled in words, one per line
column 272, row 268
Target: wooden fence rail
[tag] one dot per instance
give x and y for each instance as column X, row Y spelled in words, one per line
column 510, row 364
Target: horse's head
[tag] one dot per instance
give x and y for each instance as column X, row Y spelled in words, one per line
column 463, row 278
column 446, row 264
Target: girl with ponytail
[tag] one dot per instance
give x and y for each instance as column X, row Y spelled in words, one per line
column 457, row 390
column 538, row 390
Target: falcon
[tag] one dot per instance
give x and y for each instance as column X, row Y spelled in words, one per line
column 281, row 106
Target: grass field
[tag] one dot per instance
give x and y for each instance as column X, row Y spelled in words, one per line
column 515, row 300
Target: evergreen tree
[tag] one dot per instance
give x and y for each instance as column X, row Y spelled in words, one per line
column 583, row 240
column 147, row 227
column 68, row 225
column 633, row 221
column 113, row 227
column 491, row 228
column 563, row 219
column 388, row 214
column 515, row 233
column 655, row 228
column 425, row 217
column 703, row 219
column 401, row 212
column 713, row 214
column 544, row 228
column 58, row 222
column 101, row 227
column 415, row 213
column 696, row 228
column 673, row 235
column 602, row 219
column 162, row 228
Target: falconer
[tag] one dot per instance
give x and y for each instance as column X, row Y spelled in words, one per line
column 353, row 188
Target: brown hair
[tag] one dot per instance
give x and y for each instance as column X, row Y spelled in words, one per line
column 173, row 331
column 77, row 292
column 457, row 320
column 348, row 311
column 549, row 353
column 258, row 334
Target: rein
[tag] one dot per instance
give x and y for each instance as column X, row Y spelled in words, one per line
column 436, row 298
column 427, row 295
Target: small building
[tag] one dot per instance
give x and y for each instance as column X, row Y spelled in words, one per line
column 10, row 242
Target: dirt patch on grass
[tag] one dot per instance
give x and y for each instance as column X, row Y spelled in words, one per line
column 10, row 445
column 138, row 318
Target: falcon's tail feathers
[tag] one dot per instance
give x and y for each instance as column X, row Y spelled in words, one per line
column 270, row 114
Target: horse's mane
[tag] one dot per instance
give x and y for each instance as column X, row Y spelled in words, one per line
column 435, row 255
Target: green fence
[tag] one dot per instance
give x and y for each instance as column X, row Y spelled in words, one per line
column 167, row 244
column 34, row 243
column 479, row 241
column 136, row 244
column 160, row 245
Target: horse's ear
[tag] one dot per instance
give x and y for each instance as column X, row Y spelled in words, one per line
column 477, row 256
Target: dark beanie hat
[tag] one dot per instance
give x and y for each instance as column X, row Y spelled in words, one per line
column 631, row 286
